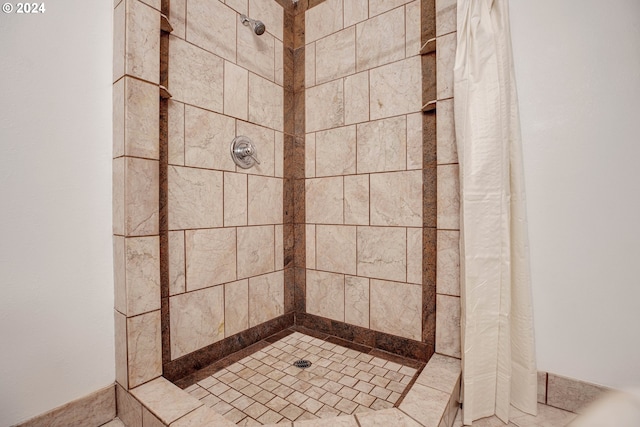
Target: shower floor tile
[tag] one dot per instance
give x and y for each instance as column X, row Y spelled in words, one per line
column 265, row 387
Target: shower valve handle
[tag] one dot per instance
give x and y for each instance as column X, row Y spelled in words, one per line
column 243, row 152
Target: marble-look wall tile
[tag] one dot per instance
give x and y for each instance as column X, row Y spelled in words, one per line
column 377, row 7
column 256, row 247
column 310, row 65
column 380, row 40
column 142, row 260
column 336, row 248
column 256, row 53
column 195, row 198
column 195, row 75
column 265, row 200
column 414, row 32
column 396, row 198
column 236, row 307
column 240, row 6
column 336, row 55
column 266, row 101
column 266, row 297
column 448, row 325
column 129, row 410
column 279, row 246
column 120, row 334
column 310, row 246
column 396, row 308
column 385, row 417
column 141, row 120
column 177, row 271
column 570, row 394
column 445, row 58
column 446, row 133
column 207, row 139
column 141, row 197
column 382, row 253
column 271, row 13
column 425, row 404
column 278, row 162
column 446, row 11
column 197, row 320
column 355, row 11
column 323, row 19
column 394, row 88
column 448, row 262
column 236, row 91
column 382, row 145
column 324, row 106
column 118, row 116
column 441, row 373
column 336, row 151
column 142, row 48
column 414, row 141
column 448, row 206
column 175, row 124
column 414, row 255
column 119, row 36
column 165, row 400
column 119, row 274
column 117, row 195
column 203, row 416
column 211, row 257
column 144, row 348
column 177, row 17
column 264, row 141
column 325, row 294
column 150, row 420
column 212, row 26
column 356, row 98
column 156, row 4
column 356, row 199
column 310, row 155
column 235, row 199
column 324, row 200
column 356, row 301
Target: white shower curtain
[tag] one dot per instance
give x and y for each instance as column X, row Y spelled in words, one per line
column 498, row 353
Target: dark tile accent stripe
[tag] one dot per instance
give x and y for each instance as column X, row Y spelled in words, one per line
column 188, row 364
column 379, row 340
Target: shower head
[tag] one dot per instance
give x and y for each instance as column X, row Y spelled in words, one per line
column 257, row 26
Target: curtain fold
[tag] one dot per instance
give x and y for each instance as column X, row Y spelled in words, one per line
column 498, row 352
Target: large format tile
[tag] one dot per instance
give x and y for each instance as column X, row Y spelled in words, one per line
column 356, row 301
column 448, row 262
column 323, row 19
column 336, row 248
column 355, row 11
column 175, row 125
column 165, row 400
column 425, row 404
column 235, row 199
column 336, row 55
column 414, row 141
column 256, row 250
column 356, row 199
column 382, row 145
column 442, row 373
column 195, row 75
column 448, row 206
column 356, row 98
column 236, row 89
column 414, row 30
column 445, row 58
column 256, row 53
column 211, row 257
column 446, row 11
column 142, row 41
column 144, row 348
column 324, row 106
column 396, row 198
column 446, row 133
column 382, row 253
column 394, row 88
column 207, row 139
column 266, row 297
column 377, row 7
column 212, row 26
column 265, row 200
column 310, row 65
column 336, row 151
column 325, row 294
column 414, row 255
column 142, row 271
column 236, row 307
column 264, row 142
column 324, row 200
column 141, row 197
column 448, row 325
column 269, row 12
column 197, row 320
column 380, row 40
column 177, row 271
column 396, row 308
column 266, row 103
column 195, row 198
column 141, row 119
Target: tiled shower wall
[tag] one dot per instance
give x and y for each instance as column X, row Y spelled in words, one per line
column 364, row 160
column 225, row 239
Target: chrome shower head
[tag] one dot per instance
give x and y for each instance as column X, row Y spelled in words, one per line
column 257, row 26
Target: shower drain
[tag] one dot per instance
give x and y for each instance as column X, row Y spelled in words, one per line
column 302, row 364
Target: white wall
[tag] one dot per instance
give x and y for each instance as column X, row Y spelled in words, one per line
column 56, row 281
column 578, row 73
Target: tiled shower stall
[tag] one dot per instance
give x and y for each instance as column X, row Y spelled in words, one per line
column 341, row 227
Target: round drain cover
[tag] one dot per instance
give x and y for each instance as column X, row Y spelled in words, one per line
column 302, row 364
